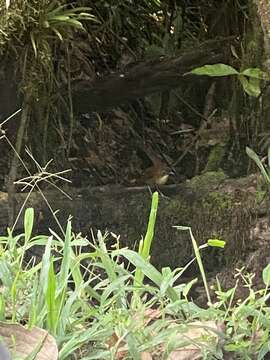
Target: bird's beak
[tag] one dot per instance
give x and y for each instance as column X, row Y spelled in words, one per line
column 172, row 173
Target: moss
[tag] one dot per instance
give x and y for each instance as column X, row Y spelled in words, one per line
column 260, row 196
column 215, row 158
column 205, row 181
column 219, row 201
column 174, row 206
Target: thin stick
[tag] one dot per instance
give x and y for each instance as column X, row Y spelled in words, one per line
column 14, row 163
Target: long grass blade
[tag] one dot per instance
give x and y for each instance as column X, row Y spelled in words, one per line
column 145, row 246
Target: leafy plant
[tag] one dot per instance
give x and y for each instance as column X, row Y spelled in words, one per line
column 249, row 78
column 58, row 20
column 110, row 310
column 263, row 169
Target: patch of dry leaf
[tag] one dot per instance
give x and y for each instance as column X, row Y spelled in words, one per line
column 22, row 342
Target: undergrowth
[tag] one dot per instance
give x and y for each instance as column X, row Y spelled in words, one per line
column 112, row 303
column 97, row 307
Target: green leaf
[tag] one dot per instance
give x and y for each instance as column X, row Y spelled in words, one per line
column 145, row 246
column 215, row 70
column 45, row 265
column 148, row 270
column 32, row 321
column 66, row 261
column 109, row 265
column 62, row 10
column 199, row 261
column 94, row 333
column 167, row 280
column 265, row 349
column 114, row 287
column 2, row 308
column 255, row 73
column 51, row 300
column 251, row 153
column 28, row 223
column 6, row 274
column 76, row 272
column 133, row 346
column 251, row 86
column 188, row 286
column 151, row 227
column 70, row 22
column 266, row 275
column 216, row 243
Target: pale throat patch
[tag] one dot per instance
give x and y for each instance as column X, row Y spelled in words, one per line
column 162, row 180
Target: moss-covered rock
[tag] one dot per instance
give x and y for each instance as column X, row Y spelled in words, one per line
column 213, row 206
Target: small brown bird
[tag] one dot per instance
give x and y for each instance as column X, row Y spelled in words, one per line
column 156, row 175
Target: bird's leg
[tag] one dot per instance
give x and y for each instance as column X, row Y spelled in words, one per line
column 161, row 193
column 158, row 190
column 150, row 190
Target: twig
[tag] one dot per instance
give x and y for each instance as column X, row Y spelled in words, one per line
column 199, row 132
column 35, row 179
column 14, row 163
column 70, row 102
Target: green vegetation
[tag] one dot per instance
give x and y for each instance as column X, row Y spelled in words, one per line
column 100, row 303
column 262, row 164
column 249, row 78
column 107, row 302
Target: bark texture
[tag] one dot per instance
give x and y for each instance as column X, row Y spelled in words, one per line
column 144, row 78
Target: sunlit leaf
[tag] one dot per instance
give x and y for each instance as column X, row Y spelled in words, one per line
column 215, row 70
column 250, row 85
column 51, row 300
column 148, row 270
column 145, row 246
column 188, row 286
column 66, row 260
column 251, row 153
column 265, row 349
column 216, row 243
column 266, row 275
column 28, row 223
column 255, row 73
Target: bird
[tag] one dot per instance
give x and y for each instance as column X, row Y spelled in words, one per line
column 156, row 175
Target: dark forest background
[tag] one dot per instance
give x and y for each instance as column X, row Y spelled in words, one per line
column 103, row 87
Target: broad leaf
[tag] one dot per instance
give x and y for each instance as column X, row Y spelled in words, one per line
column 215, row 70
column 255, row 73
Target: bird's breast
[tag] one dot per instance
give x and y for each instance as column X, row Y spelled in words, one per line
column 162, row 180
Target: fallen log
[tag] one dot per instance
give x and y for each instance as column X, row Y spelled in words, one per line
column 144, row 78
column 213, row 206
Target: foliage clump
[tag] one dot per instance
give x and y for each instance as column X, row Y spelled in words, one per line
column 98, row 307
